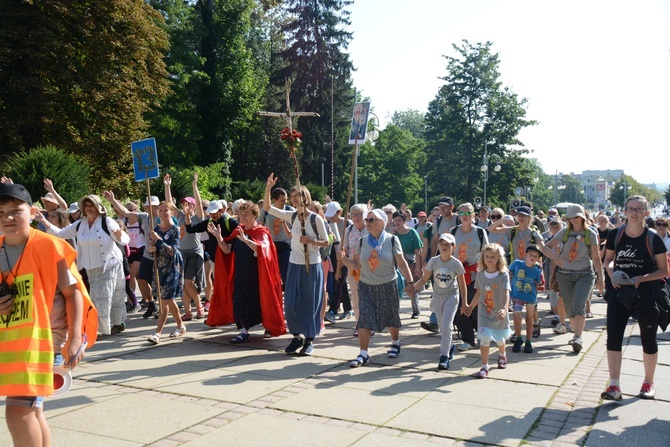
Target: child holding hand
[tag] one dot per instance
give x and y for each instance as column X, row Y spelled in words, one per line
column 492, row 289
column 526, row 276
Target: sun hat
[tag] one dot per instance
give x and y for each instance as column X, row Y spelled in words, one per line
column 74, row 207
column 48, row 197
column 575, row 211
column 95, row 200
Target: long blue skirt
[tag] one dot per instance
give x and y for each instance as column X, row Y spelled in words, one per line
column 303, row 296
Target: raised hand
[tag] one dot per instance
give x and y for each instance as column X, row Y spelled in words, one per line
column 109, row 195
column 167, row 180
column 49, row 185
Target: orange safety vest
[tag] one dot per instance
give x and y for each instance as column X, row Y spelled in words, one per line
column 26, row 346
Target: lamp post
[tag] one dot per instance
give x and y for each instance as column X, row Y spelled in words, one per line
column 323, row 176
column 485, row 167
column 625, row 188
column 425, row 193
column 371, row 136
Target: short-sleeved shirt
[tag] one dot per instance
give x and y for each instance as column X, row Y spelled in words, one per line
column 352, row 237
column 276, row 225
column 445, row 275
column 146, row 223
column 521, row 240
column 409, row 242
column 377, row 264
column 524, row 281
column 468, row 246
column 298, row 255
column 631, row 253
column 500, row 239
column 492, row 298
column 443, row 225
column 574, row 252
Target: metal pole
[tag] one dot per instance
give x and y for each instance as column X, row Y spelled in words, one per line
column 425, row 193
column 323, row 177
column 486, row 170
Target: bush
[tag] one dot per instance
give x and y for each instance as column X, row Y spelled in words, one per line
column 70, row 173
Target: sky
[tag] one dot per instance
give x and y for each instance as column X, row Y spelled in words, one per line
column 596, row 73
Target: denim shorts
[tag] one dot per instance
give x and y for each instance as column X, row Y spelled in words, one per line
column 518, row 304
column 31, row 401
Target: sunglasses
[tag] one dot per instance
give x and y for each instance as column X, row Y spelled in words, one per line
column 661, row 224
column 370, row 220
column 466, row 213
column 495, row 217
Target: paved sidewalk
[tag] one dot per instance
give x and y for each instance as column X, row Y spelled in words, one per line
column 200, row 390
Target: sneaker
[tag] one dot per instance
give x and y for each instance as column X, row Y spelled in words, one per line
column 648, row 391
column 517, row 344
column 528, row 347
column 394, row 351
column 430, row 327
column 242, row 337
column 536, row 330
column 589, row 315
column 560, row 329
column 200, row 314
column 136, row 309
column 612, row 392
column 355, row 333
column 151, row 307
column 443, row 364
column 577, row 344
column 330, row 317
column 555, row 321
column 307, row 349
column 181, row 330
column 415, row 315
column 294, row 345
column 464, row 346
column 502, row 362
column 267, row 334
column 187, row 317
column 451, row 351
column 512, row 339
column 359, row 361
column 346, row 315
column 483, row 373
column 155, row 339
column 118, row 328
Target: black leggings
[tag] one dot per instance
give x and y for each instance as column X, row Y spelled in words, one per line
column 467, row 325
column 647, row 318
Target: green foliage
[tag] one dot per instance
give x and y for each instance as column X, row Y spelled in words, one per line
column 627, row 186
column 470, row 109
column 73, row 75
column 411, row 120
column 69, row 172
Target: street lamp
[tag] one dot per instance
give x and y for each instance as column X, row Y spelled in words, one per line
column 425, row 193
column 625, row 188
column 323, row 177
column 372, row 136
column 485, row 167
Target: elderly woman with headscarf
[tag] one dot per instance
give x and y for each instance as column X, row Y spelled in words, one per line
column 377, row 255
column 97, row 236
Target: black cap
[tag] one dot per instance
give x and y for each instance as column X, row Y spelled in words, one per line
column 15, row 191
column 446, row 200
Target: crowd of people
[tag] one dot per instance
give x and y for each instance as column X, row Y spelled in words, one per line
column 291, row 264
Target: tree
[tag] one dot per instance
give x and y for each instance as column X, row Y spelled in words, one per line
column 69, row 172
column 314, row 58
column 390, row 170
column 627, row 186
column 73, row 75
column 470, row 109
column 410, row 119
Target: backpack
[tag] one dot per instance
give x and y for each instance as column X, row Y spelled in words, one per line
column 480, row 234
column 439, row 221
column 515, row 231
column 103, row 222
column 587, row 237
column 139, row 221
column 324, row 252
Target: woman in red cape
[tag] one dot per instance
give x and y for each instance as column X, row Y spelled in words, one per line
column 251, row 274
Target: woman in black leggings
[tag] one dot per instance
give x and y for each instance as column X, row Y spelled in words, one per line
column 643, row 258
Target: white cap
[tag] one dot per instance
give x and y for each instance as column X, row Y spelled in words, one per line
column 448, row 237
column 236, row 204
column 74, row 207
column 332, row 208
column 154, row 201
column 215, row 206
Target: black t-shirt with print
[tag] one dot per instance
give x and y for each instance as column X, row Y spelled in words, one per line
column 632, row 255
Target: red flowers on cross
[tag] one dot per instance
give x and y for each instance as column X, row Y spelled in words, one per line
column 291, row 138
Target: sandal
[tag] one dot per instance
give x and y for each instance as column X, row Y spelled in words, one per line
column 394, row 351
column 241, row 338
column 483, row 373
column 359, row 361
column 181, row 330
column 502, row 362
column 155, row 339
column 536, row 330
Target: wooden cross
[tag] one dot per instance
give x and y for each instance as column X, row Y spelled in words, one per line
column 288, row 115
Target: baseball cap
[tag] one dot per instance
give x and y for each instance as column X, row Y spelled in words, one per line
column 188, row 199
column 15, row 191
column 332, row 208
column 74, row 207
column 153, row 201
column 523, row 210
column 421, row 214
column 621, row 278
column 448, row 237
column 446, row 200
column 214, row 207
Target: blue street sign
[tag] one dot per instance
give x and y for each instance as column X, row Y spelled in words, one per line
column 145, row 159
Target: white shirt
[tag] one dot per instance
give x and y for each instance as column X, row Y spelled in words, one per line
column 298, row 251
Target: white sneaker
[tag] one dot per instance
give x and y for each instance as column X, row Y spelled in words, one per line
column 464, row 347
column 560, row 329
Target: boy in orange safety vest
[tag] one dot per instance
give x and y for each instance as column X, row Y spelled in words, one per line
column 42, row 310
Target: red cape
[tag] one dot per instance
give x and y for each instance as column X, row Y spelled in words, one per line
column 221, row 307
